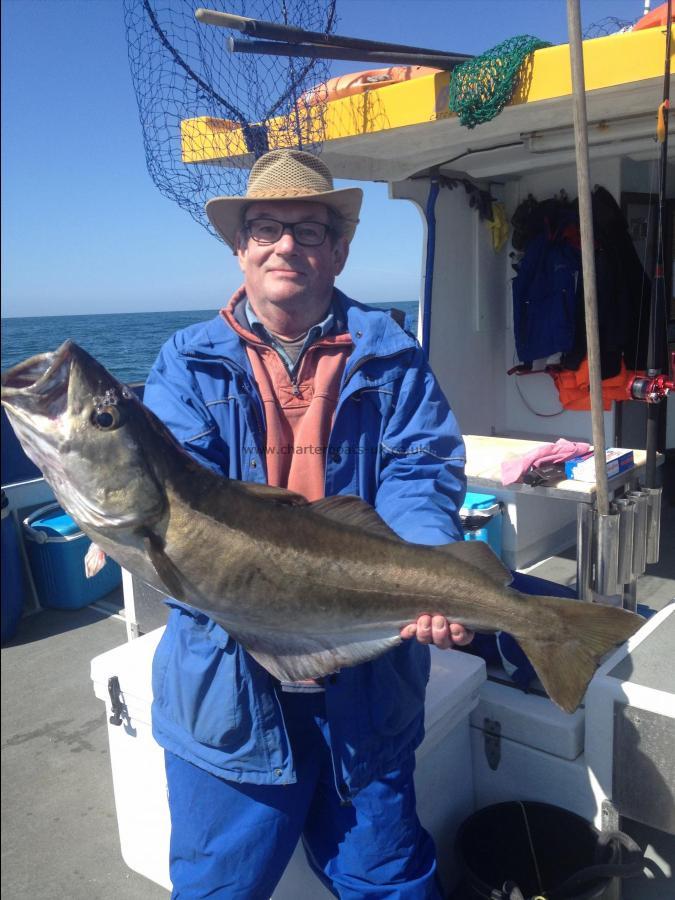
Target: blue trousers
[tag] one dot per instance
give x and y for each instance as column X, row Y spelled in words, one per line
column 234, row 841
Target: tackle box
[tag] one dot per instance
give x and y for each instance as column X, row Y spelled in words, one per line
column 56, row 548
column 481, row 516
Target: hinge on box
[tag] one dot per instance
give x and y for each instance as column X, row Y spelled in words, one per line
column 493, row 750
column 609, row 816
column 119, row 708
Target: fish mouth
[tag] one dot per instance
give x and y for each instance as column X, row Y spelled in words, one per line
column 39, row 385
column 51, row 401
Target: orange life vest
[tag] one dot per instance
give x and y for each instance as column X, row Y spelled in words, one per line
column 574, row 387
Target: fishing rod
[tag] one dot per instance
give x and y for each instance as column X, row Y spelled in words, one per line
column 324, row 51
column 655, row 361
column 272, row 31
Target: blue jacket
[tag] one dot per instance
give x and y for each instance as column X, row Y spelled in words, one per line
column 395, row 443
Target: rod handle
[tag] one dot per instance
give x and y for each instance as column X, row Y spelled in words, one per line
column 225, row 20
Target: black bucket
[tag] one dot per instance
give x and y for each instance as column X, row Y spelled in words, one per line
column 540, row 850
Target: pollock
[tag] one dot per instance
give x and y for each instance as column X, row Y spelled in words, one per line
column 306, row 588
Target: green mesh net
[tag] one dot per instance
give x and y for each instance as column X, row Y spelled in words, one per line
column 481, row 87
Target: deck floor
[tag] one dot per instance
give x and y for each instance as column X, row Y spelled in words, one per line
column 59, row 836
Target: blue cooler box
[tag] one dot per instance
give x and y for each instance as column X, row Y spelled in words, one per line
column 481, row 518
column 56, row 549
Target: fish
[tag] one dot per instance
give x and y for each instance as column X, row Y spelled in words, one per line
column 307, row 588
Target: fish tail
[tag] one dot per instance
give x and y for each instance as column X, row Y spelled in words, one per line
column 566, row 658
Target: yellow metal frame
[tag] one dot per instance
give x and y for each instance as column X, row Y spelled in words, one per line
column 608, row 62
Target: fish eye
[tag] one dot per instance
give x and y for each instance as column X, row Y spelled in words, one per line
column 106, row 418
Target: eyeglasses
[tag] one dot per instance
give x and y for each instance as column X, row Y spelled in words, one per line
column 269, row 231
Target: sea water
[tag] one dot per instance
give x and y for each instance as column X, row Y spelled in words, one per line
column 127, row 344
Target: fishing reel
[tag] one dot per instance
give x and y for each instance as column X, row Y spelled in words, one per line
column 651, row 388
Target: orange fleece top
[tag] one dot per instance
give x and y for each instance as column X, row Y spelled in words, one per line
column 299, row 410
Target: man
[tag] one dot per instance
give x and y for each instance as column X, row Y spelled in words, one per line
column 297, row 385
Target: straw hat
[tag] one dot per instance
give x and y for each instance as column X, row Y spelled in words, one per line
column 286, row 175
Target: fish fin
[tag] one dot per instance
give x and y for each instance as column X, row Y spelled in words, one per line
column 481, row 556
column 351, row 510
column 567, row 657
column 166, row 570
column 269, row 492
column 94, row 560
column 294, row 657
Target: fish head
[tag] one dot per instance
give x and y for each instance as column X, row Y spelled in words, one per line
column 90, row 436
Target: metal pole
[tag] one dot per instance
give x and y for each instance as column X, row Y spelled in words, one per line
column 325, row 51
column 587, row 253
column 274, row 32
column 434, row 188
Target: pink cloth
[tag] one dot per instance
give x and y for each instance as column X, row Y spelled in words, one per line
column 513, row 469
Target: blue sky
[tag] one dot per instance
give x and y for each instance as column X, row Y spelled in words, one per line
column 84, row 229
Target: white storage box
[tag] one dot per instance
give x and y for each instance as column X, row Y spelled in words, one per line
column 617, row 748
column 525, row 748
column 443, row 779
column 630, row 726
column 139, row 779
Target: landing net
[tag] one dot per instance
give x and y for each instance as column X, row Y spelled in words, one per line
column 181, row 69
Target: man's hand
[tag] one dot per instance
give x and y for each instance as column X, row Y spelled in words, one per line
column 438, row 631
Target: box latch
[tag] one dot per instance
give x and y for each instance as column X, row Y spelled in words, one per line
column 492, row 736
column 119, row 707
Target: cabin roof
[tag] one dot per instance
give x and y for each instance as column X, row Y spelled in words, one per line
column 404, row 129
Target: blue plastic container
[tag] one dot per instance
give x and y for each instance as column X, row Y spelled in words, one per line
column 481, row 517
column 56, row 549
column 13, row 578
